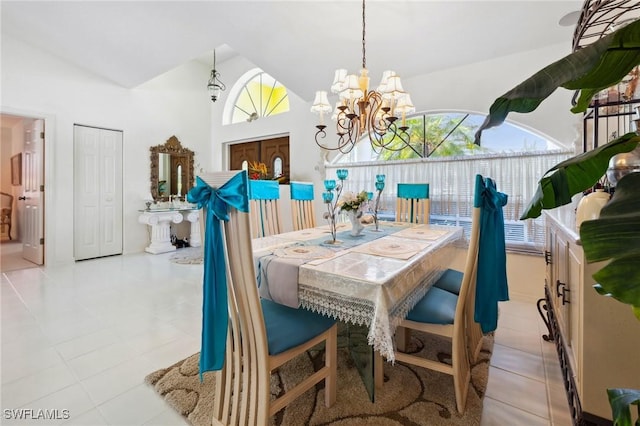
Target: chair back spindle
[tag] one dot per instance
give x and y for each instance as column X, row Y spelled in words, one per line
column 264, row 206
column 412, row 204
column 302, row 210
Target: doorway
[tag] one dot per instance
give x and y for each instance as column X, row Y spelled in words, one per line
column 22, row 180
column 274, row 153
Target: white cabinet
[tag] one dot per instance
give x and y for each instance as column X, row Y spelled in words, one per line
column 598, row 338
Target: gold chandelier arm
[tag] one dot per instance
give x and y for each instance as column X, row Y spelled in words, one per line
column 346, row 138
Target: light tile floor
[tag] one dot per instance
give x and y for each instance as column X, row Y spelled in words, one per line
column 82, row 337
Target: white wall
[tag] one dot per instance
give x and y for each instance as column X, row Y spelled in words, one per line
column 35, row 83
column 474, row 88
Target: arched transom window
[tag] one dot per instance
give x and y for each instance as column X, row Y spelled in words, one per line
column 255, row 95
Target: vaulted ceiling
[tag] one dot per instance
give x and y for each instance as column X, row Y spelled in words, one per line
column 300, row 43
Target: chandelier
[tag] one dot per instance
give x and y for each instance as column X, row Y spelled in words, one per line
column 360, row 111
column 215, row 86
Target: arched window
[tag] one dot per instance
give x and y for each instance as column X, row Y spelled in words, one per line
column 443, row 155
column 255, row 95
column 451, row 134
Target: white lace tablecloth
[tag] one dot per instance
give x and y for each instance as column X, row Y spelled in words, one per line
column 377, row 283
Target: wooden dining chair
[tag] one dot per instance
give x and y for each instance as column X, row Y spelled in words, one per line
column 444, row 313
column 412, row 203
column 302, row 210
column 264, row 198
column 262, row 335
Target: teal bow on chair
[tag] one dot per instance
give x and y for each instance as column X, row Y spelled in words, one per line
column 215, row 317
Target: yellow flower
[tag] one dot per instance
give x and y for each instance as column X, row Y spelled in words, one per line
column 257, row 170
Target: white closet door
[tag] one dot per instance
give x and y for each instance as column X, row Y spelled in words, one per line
column 97, row 192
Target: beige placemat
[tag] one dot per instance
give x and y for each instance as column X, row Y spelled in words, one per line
column 390, row 246
column 304, row 252
column 421, row 233
column 269, row 243
column 306, row 234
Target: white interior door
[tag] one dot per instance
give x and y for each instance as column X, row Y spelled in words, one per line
column 97, row 192
column 33, row 191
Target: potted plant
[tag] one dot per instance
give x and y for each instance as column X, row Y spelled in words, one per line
column 615, row 234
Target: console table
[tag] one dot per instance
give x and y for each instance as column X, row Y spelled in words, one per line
column 596, row 337
column 160, row 221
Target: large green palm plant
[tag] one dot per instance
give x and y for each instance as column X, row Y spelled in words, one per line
column 615, row 235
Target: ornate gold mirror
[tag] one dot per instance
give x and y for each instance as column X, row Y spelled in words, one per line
column 171, row 169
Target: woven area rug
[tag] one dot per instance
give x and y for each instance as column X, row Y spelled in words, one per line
column 188, row 256
column 410, row 396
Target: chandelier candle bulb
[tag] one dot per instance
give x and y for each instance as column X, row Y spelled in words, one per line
column 338, row 81
column 321, row 105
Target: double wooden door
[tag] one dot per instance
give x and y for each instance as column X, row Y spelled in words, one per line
column 272, row 152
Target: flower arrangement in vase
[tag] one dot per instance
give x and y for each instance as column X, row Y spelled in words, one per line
column 352, row 203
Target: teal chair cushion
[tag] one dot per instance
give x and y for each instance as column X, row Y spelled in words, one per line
column 438, row 306
column 289, row 327
column 264, row 190
column 413, row 190
column 451, row 281
column 301, row 191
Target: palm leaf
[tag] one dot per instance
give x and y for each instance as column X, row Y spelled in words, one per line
column 615, row 235
column 620, row 400
column 591, row 69
column 575, row 175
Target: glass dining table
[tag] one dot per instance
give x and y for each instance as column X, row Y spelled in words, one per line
column 367, row 282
